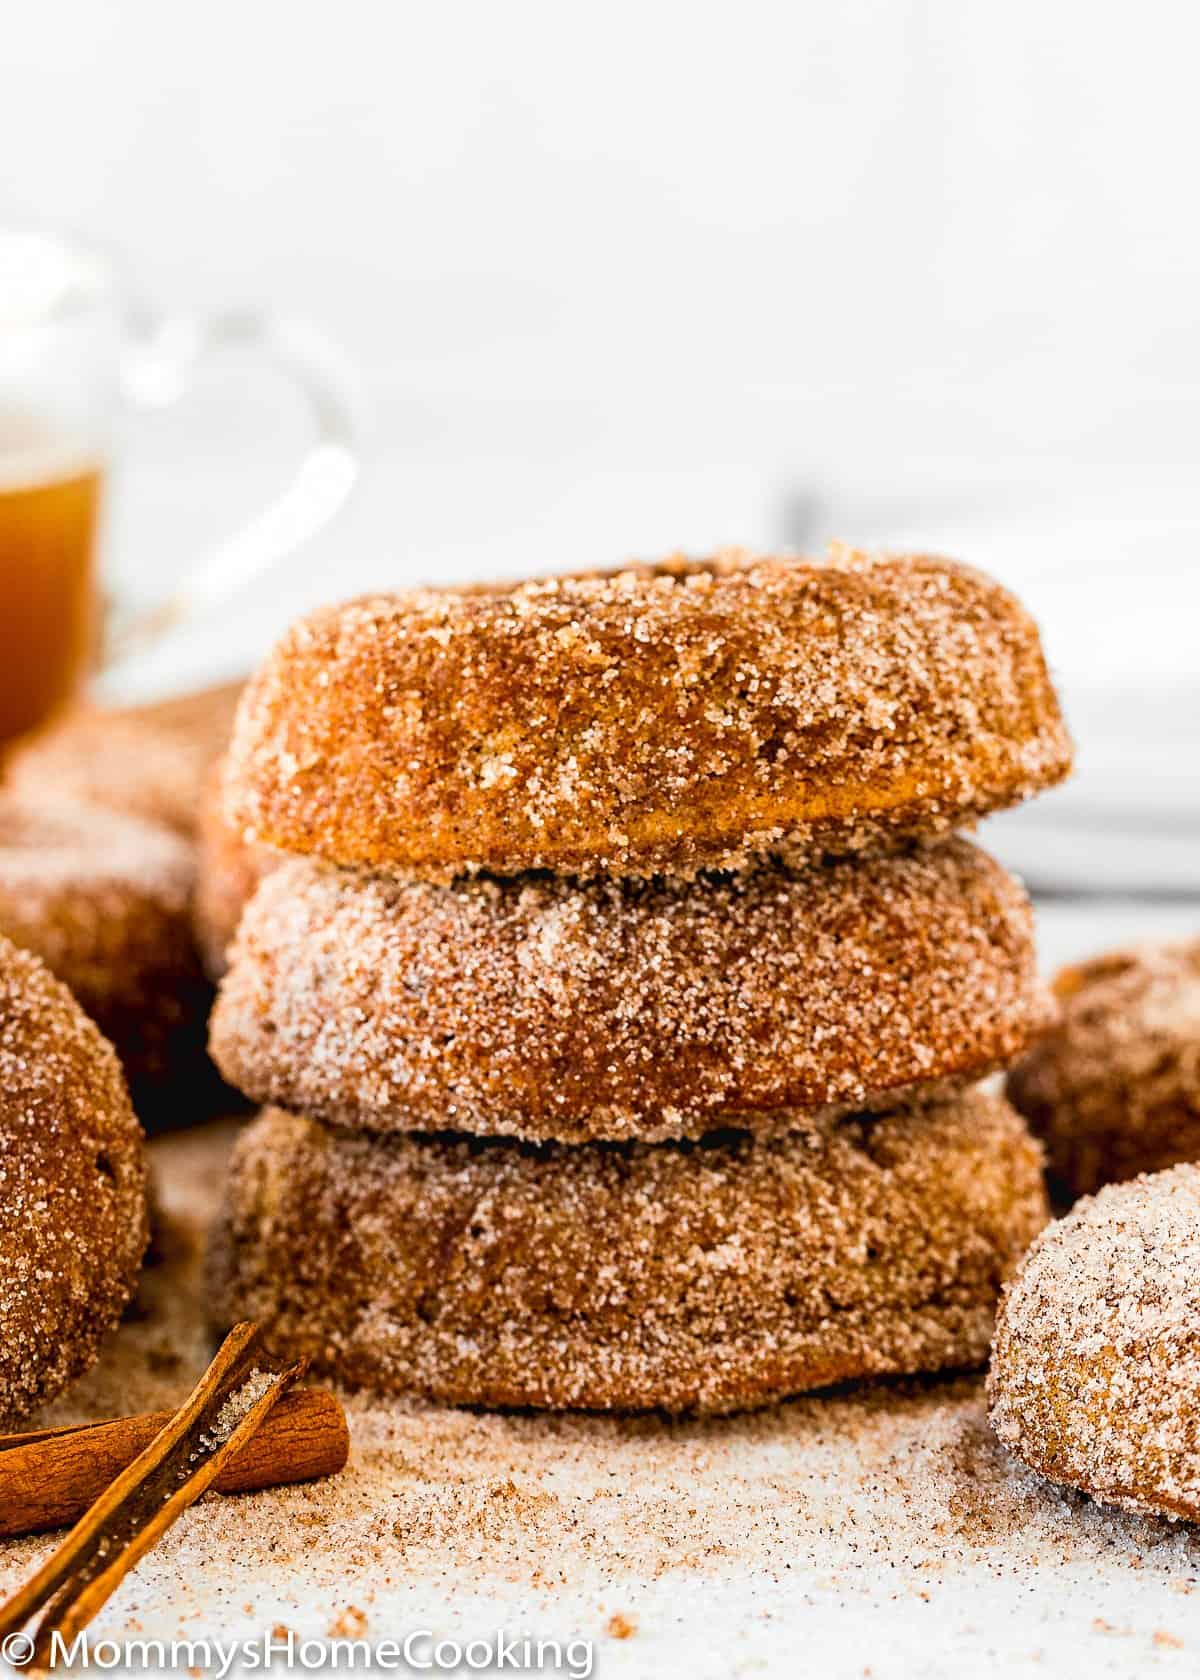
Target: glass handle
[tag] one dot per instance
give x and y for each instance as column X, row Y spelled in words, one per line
column 160, row 366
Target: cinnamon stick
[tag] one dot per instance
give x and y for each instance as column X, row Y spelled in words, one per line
column 224, row 1411
column 49, row 1477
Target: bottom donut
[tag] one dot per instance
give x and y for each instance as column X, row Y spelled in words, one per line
column 702, row 1277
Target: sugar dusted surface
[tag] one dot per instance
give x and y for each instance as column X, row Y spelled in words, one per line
column 1114, row 1089
column 546, row 1008
column 660, row 720
column 690, row 1277
column 148, row 761
column 880, row 1529
column 237, row 1408
column 72, row 1186
column 1096, row 1372
column 103, row 898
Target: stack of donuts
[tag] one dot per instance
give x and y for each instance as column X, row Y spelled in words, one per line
column 619, row 987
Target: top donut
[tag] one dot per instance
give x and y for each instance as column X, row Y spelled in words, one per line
column 658, row 720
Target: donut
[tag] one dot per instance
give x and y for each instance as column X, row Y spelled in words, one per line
column 1095, row 1373
column 693, row 1277
column 660, row 720
column 104, row 900
column 228, row 870
column 544, row 1008
column 144, row 761
column 73, row 1212
column 1114, row 1088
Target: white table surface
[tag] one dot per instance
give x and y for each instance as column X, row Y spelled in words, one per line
column 878, row 1533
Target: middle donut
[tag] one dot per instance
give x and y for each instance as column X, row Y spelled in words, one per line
column 545, row 1009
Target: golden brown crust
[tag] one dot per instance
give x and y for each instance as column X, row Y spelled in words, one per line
column 658, row 720
column 145, row 761
column 104, row 900
column 1095, row 1376
column 1114, row 1089
column 693, row 1277
column 72, row 1213
column 542, row 1008
column 228, row 870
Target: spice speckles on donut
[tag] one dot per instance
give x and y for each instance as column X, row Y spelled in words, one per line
column 659, row 720
column 105, row 900
column 544, row 1008
column 1114, row 1089
column 1095, row 1376
column 73, row 1207
column 704, row 1277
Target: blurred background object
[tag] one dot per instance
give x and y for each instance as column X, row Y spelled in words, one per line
column 79, row 351
column 647, row 278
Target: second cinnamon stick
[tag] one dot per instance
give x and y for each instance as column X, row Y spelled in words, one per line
column 49, row 1478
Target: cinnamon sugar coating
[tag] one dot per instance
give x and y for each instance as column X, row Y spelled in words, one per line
column 659, row 720
column 1114, row 1089
column 542, row 1008
column 1095, row 1376
column 228, row 869
column 73, row 1211
column 147, row 761
column 104, row 900
column 694, row 1277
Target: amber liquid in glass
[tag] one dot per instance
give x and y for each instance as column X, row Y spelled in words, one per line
column 48, row 529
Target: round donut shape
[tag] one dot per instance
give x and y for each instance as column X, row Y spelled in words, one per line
column 1095, row 1375
column 104, row 900
column 663, row 719
column 1114, row 1088
column 543, row 1008
column 73, row 1211
column 145, row 761
column 690, row 1277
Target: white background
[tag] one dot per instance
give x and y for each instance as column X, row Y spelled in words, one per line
column 626, row 278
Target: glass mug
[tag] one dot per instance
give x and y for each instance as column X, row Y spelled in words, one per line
column 75, row 349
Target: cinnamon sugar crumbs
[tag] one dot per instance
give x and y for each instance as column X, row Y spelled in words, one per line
column 103, row 898
column 1114, row 1089
column 235, row 1410
column 350, row 1623
column 809, row 1527
column 542, row 1008
column 692, row 1277
column 1095, row 1374
column 661, row 720
column 72, row 1187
